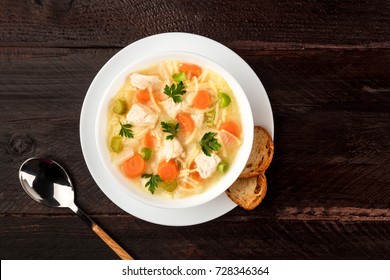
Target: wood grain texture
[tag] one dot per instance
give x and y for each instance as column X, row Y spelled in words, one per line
column 330, row 109
column 245, row 236
column 122, row 254
column 250, row 24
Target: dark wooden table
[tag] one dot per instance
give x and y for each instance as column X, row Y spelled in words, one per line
column 326, row 68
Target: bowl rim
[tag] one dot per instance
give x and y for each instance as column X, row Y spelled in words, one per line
column 242, row 154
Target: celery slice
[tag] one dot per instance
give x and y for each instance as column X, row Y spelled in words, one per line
column 120, row 106
column 116, row 144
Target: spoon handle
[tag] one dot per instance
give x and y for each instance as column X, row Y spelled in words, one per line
column 111, row 243
column 103, row 235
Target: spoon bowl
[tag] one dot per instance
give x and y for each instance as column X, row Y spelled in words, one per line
column 46, row 182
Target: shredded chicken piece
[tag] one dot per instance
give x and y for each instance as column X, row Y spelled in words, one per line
column 172, row 149
column 141, row 115
column 143, row 81
column 171, row 108
column 207, row 165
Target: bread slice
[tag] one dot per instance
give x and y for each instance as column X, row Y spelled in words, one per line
column 261, row 154
column 248, row 192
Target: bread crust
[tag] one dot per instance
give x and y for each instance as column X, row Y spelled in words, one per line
column 249, row 190
column 261, row 155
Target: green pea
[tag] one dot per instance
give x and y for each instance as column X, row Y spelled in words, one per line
column 223, row 167
column 146, row 153
column 179, row 77
column 120, row 106
column 168, row 186
column 116, row 144
column 224, row 100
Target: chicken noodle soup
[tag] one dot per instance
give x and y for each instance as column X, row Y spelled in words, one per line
column 174, row 128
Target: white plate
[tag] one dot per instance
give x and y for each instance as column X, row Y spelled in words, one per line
column 222, row 55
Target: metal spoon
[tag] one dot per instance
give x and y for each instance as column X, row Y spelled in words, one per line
column 45, row 181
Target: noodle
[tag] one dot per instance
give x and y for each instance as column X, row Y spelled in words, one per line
column 152, row 124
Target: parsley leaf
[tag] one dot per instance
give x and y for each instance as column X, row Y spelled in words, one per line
column 126, row 130
column 171, row 128
column 209, row 143
column 175, row 91
column 152, row 184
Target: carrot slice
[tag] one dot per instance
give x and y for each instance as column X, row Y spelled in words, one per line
column 149, row 140
column 192, row 69
column 195, row 175
column 202, row 100
column 227, row 138
column 185, row 122
column 231, row 127
column 134, row 166
column 160, row 97
column 168, row 171
column 142, row 96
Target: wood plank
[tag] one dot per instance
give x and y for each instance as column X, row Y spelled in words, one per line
column 330, row 109
column 248, row 237
column 40, row 117
column 331, row 127
column 238, row 24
